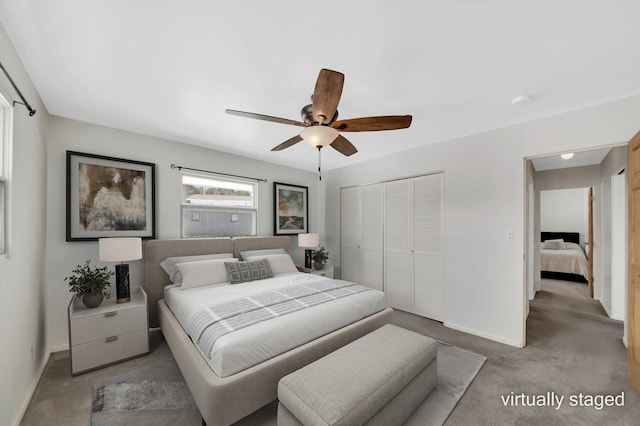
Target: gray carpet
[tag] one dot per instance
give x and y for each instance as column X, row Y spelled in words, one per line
column 156, row 394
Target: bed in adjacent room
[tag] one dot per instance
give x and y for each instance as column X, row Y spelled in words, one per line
column 562, row 257
column 232, row 355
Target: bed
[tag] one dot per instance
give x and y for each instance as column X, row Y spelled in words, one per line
column 225, row 400
column 562, row 258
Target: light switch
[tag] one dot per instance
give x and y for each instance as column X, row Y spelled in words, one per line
column 195, row 216
column 508, row 235
column 234, row 217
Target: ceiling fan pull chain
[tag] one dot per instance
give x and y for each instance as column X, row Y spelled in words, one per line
column 319, row 163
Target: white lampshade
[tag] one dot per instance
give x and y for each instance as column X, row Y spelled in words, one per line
column 120, row 249
column 319, row 135
column 308, row 240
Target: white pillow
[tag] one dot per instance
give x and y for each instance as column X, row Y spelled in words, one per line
column 204, row 272
column 280, row 263
column 170, row 263
column 554, row 245
column 245, row 255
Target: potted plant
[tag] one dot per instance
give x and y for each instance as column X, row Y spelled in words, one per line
column 319, row 257
column 90, row 282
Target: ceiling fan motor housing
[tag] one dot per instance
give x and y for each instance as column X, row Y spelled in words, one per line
column 306, row 113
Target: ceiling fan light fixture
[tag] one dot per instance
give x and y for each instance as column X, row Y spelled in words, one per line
column 319, row 136
column 567, row 156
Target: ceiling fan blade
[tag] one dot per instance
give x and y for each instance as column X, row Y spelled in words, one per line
column 343, row 146
column 373, row 124
column 265, row 117
column 327, row 95
column 286, row 144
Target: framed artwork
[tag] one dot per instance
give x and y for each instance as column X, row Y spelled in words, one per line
column 109, row 197
column 291, row 209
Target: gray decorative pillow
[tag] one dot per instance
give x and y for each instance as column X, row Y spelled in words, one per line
column 242, row 272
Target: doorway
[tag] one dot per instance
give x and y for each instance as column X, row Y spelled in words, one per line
column 595, row 169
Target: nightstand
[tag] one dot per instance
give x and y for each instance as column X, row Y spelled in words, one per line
column 327, row 271
column 110, row 333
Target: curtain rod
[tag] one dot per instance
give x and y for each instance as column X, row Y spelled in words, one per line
column 24, row 101
column 173, row 166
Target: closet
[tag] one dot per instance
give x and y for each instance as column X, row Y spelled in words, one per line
column 392, row 240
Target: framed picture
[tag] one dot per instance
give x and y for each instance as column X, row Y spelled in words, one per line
column 109, row 197
column 291, row 209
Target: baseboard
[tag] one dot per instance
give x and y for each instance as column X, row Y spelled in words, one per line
column 59, row 348
column 32, row 388
column 604, row 307
column 484, row 335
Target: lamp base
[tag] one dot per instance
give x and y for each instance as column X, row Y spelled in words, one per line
column 308, row 253
column 122, row 283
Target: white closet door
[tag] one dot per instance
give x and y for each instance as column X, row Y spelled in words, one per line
column 351, row 217
column 396, row 218
column 351, row 264
column 372, row 242
column 427, row 245
column 427, row 214
column 428, row 288
column 398, row 282
column 397, row 256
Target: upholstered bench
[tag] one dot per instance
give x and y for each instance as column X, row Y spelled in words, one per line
column 379, row 379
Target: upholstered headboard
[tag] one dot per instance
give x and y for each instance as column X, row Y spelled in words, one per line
column 157, row 250
column 571, row 237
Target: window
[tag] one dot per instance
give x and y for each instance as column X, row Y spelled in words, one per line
column 214, row 206
column 6, row 119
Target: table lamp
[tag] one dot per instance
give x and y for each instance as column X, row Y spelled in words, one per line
column 121, row 250
column 308, row 241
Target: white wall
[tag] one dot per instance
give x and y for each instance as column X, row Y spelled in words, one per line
column 483, row 198
column 22, row 293
column 73, row 135
column 565, row 210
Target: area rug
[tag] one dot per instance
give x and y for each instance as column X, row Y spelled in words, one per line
column 156, row 394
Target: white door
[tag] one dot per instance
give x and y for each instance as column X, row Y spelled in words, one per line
column 372, row 236
column 398, row 261
column 427, row 247
column 351, row 234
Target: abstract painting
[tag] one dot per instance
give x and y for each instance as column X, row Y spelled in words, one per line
column 109, row 197
column 291, row 209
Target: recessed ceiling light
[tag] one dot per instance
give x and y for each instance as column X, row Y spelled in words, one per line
column 521, row 100
column 567, row 156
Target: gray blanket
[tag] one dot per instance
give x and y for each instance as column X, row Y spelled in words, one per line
column 212, row 322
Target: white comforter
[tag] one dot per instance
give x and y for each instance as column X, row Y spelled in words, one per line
column 249, row 346
column 570, row 261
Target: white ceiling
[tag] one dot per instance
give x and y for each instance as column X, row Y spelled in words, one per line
column 581, row 158
column 170, row 68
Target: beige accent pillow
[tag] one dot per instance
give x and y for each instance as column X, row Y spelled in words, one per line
column 204, row 272
column 170, row 263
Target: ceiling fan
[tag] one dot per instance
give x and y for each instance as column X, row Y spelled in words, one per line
column 320, row 118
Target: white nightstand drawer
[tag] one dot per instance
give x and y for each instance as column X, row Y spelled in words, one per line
column 108, row 350
column 111, row 323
